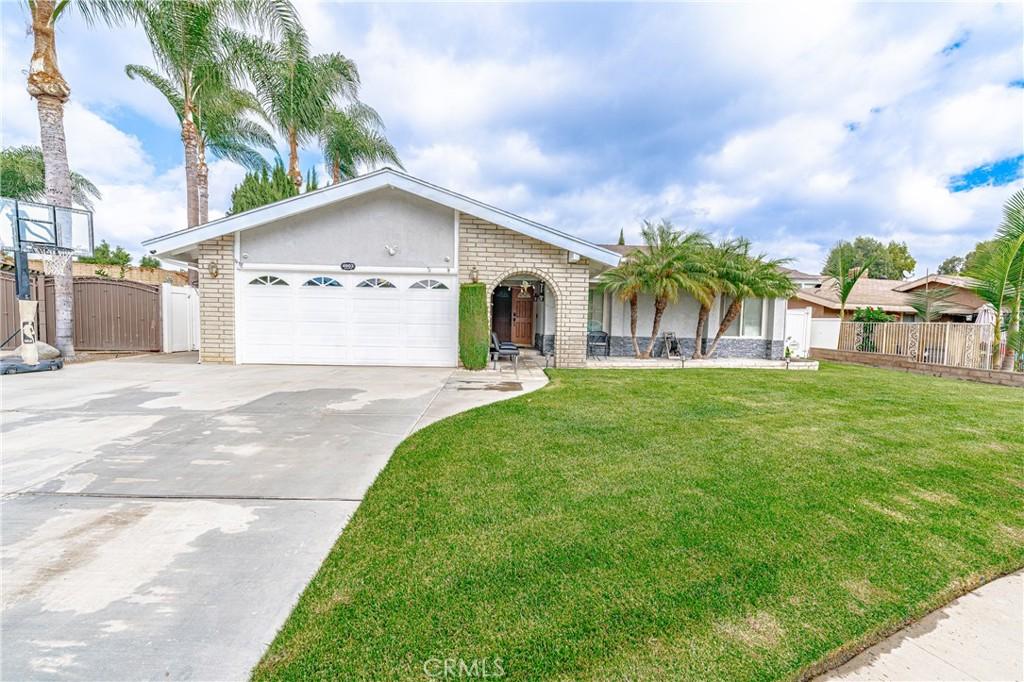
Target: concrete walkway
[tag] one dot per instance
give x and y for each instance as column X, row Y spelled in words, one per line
column 160, row 518
column 980, row 636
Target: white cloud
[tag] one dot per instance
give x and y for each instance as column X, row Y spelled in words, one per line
column 730, row 118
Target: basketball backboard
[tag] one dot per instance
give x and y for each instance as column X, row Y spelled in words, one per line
column 34, row 227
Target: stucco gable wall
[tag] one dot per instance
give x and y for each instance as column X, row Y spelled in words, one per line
column 356, row 230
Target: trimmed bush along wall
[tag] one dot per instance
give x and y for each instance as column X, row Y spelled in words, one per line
column 473, row 342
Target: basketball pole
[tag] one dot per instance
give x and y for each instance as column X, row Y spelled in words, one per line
column 26, row 309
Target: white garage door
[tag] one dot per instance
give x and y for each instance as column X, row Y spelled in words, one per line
column 315, row 318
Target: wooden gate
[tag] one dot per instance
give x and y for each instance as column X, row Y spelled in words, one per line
column 110, row 314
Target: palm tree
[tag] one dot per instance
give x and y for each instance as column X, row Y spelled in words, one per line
column 672, row 264
column 845, row 277
column 626, row 282
column 296, row 89
column 755, row 277
column 721, row 262
column 190, row 42
column 998, row 275
column 22, row 176
column 354, row 135
column 931, row 304
column 224, row 122
column 47, row 87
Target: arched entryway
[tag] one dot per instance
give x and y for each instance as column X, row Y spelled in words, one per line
column 524, row 309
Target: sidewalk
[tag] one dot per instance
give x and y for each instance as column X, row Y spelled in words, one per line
column 979, row 636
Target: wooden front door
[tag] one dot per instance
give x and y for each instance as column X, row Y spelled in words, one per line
column 522, row 317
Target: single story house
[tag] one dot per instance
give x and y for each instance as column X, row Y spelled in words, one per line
column 367, row 272
column 892, row 296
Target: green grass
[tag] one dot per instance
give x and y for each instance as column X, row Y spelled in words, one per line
column 704, row 524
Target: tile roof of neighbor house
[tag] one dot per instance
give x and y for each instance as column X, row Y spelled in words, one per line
column 948, row 280
column 167, row 245
column 888, row 294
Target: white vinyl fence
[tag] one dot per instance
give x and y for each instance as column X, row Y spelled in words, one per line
column 180, row 316
column 954, row 344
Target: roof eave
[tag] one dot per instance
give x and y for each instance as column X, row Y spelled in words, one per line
column 382, row 179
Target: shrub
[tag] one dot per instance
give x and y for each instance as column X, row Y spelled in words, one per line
column 473, row 327
column 149, row 262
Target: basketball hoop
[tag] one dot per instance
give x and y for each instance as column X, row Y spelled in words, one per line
column 55, row 259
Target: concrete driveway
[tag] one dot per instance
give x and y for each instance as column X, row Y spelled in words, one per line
column 160, row 518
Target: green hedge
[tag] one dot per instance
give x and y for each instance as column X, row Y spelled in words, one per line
column 473, row 342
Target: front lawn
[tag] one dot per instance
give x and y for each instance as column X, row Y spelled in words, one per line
column 648, row 525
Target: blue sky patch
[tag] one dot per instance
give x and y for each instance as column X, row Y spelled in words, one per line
column 1019, row 83
column 956, row 44
column 996, row 174
column 852, row 126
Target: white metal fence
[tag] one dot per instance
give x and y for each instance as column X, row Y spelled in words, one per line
column 955, row 344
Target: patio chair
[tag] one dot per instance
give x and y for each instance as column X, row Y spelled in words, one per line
column 598, row 341
column 504, row 349
column 670, row 345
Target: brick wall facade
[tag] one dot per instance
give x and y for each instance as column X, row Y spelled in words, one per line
column 498, row 253
column 217, row 300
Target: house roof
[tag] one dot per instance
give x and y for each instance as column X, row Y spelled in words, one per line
column 177, row 242
column 797, row 274
column 888, row 294
column 948, row 280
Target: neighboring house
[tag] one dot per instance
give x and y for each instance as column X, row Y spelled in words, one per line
column 889, row 295
column 367, row 272
column 963, row 302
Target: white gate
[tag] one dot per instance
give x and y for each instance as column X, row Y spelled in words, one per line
column 180, row 318
column 798, row 331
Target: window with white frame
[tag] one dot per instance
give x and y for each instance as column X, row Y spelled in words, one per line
column 595, row 310
column 269, row 280
column 322, row 281
column 375, row 283
column 750, row 322
column 428, row 284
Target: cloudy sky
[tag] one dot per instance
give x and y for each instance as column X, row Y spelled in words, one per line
column 793, row 125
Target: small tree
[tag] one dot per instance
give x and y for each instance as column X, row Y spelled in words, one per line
column 673, row 263
column 626, row 281
column 951, row 266
column 149, row 262
column 845, row 276
column 104, row 255
column 473, row 327
column 931, row 304
column 261, row 188
column 869, row 316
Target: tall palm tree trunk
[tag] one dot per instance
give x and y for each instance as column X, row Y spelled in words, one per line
column 202, row 183
column 48, row 87
column 293, row 159
column 190, row 141
column 336, row 172
column 698, row 336
column 634, row 308
column 659, row 310
column 730, row 316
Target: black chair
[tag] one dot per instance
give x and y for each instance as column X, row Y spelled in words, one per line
column 598, row 341
column 504, row 349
